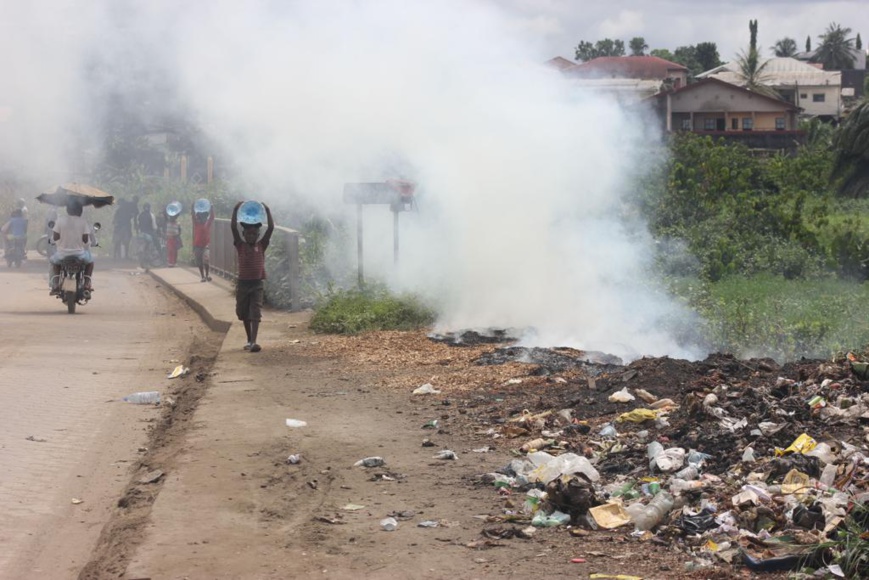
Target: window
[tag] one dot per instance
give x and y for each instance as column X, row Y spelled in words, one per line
column 804, row 96
column 779, row 123
column 709, row 124
column 686, row 124
column 734, row 124
column 818, row 97
column 747, row 123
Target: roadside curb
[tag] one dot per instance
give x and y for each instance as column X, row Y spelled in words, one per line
column 214, row 322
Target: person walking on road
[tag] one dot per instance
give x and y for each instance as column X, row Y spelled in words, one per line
column 202, row 240
column 173, row 240
column 251, row 273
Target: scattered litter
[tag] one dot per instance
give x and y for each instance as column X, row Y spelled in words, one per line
column 446, row 454
column 151, row 476
column 294, row 459
column 180, row 371
column 143, row 398
column 352, row 507
column 623, row 396
column 426, row 389
column 370, row 462
column 610, row 515
column 389, row 524
column 35, row 439
column 76, row 501
column 296, row 423
column 427, row 524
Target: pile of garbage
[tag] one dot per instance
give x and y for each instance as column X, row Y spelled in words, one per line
column 739, row 463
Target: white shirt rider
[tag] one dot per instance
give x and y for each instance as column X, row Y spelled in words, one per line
column 72, row 230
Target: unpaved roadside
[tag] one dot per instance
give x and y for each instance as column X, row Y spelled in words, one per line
column 231, row 506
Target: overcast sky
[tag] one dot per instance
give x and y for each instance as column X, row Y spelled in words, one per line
column 561, row 24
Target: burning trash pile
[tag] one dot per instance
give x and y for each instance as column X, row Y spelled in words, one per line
column 733, row 462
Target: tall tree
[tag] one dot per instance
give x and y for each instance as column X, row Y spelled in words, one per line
column 852, row 152
column 687, row 57
column 707, row 56
column 808, row 44
column 751, row 69
column 638, row 46
column 836, row 50
column 586, row 51
column 858, row 42
column 785, row 47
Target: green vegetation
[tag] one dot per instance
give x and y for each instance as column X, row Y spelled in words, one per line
column 371, row 308
column 767, row 315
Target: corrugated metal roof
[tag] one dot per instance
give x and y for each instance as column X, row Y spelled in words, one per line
column 639, row 67
column 778, row 71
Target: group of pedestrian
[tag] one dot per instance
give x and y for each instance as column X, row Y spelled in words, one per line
column 249, row 240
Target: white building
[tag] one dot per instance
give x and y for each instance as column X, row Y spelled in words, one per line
column 816, row 91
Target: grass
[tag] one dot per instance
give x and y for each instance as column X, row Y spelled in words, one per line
column 782, row 319
column 372, row 308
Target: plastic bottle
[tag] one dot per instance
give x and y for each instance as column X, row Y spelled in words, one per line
column 680, row 485
column 689, row 472
column 143, row 398
column 828, row 476
column 651, row 515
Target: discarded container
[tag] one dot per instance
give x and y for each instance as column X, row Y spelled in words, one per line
column 389, row 524
column 370, row 462
column 143, row 398
column 649, row 516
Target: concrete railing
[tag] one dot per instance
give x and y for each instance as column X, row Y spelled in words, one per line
column 285, row 242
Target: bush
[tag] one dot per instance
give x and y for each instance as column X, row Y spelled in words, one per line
column 372, row 308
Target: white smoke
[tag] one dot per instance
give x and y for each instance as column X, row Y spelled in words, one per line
column 520, row 176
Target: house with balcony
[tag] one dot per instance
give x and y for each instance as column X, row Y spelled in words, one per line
column 818, row 93
column 721, row 109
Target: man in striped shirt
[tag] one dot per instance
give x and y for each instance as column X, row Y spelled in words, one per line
column 251, row 273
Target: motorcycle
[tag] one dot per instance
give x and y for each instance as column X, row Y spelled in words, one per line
column 15, row 252
column 72, row 281
column 45, row 246
column 150, row 251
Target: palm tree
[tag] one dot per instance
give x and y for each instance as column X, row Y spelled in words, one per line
column 785, row 47
column 852, row 153
column 835, row 50
column 751, row 69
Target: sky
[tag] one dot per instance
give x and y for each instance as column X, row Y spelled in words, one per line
column 560, row 25
column 521, row 179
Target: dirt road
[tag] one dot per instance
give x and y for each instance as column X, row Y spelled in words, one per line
column 66, row 443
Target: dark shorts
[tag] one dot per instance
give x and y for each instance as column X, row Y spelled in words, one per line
column 201, row 255
column 249, row 300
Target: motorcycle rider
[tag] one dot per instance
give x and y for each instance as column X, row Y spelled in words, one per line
column 15, row 231
column 72, row 237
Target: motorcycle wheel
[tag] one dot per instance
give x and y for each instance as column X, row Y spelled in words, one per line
column 69, row 298
column 42, row 246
